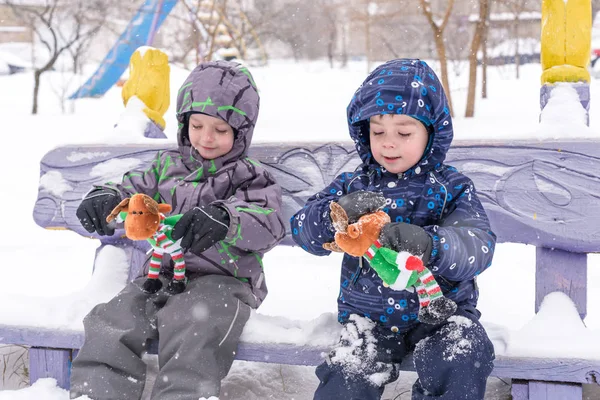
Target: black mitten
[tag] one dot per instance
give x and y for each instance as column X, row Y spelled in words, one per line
column 400, row 236
column 94, row 209
column 357, row 204
column 152, row 285
column 176, row 286
column 201, row 227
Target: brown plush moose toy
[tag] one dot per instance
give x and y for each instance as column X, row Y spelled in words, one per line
column 398, row 270
column 144, row 220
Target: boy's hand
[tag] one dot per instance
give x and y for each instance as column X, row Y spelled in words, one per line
column 201, row 227
column 357, row 204
column 94, row 209
column 413, row 239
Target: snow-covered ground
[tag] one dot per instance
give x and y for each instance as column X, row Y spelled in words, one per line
column 47, row 273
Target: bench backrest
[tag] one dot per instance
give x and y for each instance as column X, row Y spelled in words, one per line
column 540, row 193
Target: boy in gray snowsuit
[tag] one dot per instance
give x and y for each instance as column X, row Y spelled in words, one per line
column 231, row 211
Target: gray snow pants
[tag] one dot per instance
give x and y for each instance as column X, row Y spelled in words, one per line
column 199, row 331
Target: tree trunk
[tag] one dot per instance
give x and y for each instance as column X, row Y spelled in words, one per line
column 517, row 51
column 76, row 63
column 484, row 91
column 441, row 50
column 295, row 52
column 475, row 44
column 438, row 37
column 37, row 74
column 470, row 110
column 331, row 45
column 484, row 58
column 36, row 89
column 196, row 34
column 368, row 41
column 344, row 46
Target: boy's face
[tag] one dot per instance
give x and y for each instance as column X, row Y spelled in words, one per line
column 397, row 141
column 211, row 136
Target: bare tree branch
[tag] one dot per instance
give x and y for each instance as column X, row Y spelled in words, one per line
column 475, row 45
column 60, row 27
column 438, row 36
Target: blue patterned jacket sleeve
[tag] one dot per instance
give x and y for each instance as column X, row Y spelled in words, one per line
column 463, row 243
column 311, row 226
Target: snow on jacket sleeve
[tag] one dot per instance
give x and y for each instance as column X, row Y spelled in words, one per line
column 255, row 211
column 140, row 181
column 311, row 226
column 463, row 243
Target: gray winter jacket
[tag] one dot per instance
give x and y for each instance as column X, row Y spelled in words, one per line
column 185, row 180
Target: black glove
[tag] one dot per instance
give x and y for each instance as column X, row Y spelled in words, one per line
column 201, row 227
column 94, row 209
column 400, row 236
column 357, row 204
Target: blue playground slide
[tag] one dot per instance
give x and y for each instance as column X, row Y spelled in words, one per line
column 139, row 32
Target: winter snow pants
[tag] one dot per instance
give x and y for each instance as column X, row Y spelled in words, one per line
column 199, row 331
column 453, row 360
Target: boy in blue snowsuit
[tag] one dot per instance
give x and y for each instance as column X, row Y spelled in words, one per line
column 400, row 122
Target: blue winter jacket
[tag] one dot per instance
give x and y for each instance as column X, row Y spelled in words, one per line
column 432, row 195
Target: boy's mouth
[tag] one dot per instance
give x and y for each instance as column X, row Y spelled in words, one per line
column 391, row 159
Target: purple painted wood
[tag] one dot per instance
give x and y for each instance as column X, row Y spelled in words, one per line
column 137, row 258
column 74, row 165
column 50, row 363
column 555, row 391
column 281, row 354
column 519, row 389
column 534, row 192
column 153, row 131
column 547, row 369
column 559, row 270
column 41, row 337
column 563, row 370
column 582, row 88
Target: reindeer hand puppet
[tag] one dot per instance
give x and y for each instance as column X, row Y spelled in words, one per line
column 397, row 270
column 144, row 219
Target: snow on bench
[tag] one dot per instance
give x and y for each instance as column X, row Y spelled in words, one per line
column 534, row 192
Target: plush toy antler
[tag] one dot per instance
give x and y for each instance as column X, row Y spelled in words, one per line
column 397, row 270
column 144, row 220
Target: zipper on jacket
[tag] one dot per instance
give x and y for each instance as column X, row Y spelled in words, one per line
column 445, row 192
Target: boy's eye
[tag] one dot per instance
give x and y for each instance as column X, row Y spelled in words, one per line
column 196, row 126
column 220, row 131
column 404, row 134
column 377, row 133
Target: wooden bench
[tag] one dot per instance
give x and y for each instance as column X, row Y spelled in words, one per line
column 533, row 193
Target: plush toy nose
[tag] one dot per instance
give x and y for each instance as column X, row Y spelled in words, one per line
column 353, row 231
